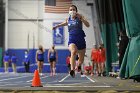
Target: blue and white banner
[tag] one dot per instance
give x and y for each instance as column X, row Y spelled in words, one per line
column 58, row 35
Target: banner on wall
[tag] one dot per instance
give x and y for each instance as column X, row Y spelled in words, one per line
column 58, row 35
column 57, row 6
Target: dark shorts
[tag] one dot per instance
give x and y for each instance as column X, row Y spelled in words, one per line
column 79, row 41
column 52, row 59
column 40, row 60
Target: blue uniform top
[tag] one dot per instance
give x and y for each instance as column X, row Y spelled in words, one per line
column 6, row 58
column 75, row 27
column 52, row 54
column 40, row 55
column 76, row 33
column 14, row 59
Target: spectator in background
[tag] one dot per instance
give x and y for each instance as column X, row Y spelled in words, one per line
column 101, row 58
column 94, row 58
column 68, row 62
column 40, row 58
column 6, row 60
column 52, row 59
column 14, row 61
column 26, row 61
column 122, row 45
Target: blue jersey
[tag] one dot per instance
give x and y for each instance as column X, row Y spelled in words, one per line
column 14, row 59
column 40, row 55
column 52, row 54
column 6, row 58
column 76, row 34
column 75, row 27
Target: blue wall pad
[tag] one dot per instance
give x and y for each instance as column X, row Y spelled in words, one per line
column 61, row 66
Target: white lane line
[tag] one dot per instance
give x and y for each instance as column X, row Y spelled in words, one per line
column 75, row 86
column 13, row 78
column 90, row 79
column 53, row 81
column 64, row 84
column 7, row 85
column 41, row 78
column 64, row 78
column 13, row 75
column 44, row 77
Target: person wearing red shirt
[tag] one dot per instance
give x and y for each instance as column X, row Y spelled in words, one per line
column 94, row 57
column 101, row 59
column 68, row 62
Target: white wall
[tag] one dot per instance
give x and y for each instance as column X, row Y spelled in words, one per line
column 29, row 8
column 18, row 34
column 22, row 15
column 19, row 26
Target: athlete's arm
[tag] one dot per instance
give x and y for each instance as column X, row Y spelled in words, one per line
column 56, row 56
column 36, row 55
column 61, row 24
column 82, row 18
column 48, row 55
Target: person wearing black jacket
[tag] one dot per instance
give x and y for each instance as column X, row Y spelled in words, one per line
column 122, row 45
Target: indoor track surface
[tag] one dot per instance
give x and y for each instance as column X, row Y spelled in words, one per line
column 64, row 82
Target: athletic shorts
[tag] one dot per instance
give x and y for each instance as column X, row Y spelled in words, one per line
column 41, row 60
column 52, row 59
column 79, row 41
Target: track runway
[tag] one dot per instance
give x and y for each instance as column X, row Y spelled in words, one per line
column 63, row 81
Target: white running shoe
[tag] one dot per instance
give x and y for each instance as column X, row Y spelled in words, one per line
column 83, row 75
column 41, row 74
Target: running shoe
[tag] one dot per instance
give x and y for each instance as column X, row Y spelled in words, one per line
column 54, row 74
column 101, row 75
column 82, row 75
column 41, row 74
column 72, row 73
column 79, row 68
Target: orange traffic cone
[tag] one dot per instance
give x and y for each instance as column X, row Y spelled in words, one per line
column 36, row 82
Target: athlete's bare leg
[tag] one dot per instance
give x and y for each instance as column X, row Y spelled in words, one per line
column 73, row 50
